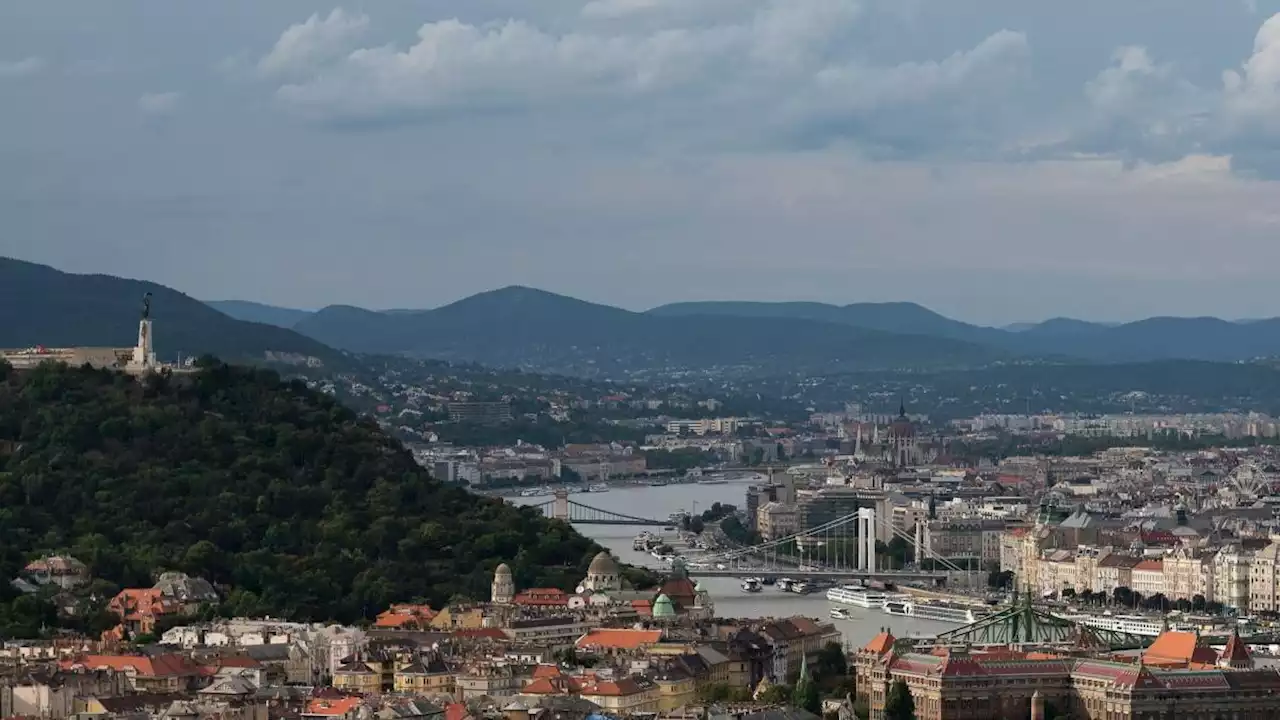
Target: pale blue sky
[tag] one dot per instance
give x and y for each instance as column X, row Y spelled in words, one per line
column 997, row 160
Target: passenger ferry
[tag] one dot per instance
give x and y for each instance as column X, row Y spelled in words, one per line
column 932, row 610
column 840, row 614
column 859, row 596
column 642, row 541
column 800, row 588
column 785, row 584
column 598, row 487
column 530, row 492
column 751, row 585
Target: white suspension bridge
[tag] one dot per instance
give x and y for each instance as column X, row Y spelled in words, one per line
column 841, row 548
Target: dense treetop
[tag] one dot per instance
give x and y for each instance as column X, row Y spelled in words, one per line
column 290, row 503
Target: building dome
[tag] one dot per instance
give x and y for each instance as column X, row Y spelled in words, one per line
column 663, row 607
column 503, row 570
column 603, row 564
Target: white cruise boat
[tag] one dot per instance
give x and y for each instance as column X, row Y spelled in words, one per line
column 1130, row 624
column 934, row 610
column 598, row 488
column 859, row 596
column 751, row 585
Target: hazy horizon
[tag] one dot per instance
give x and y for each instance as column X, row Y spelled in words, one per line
column 994, row 160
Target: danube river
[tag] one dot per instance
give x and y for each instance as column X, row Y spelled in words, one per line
column 730, row 600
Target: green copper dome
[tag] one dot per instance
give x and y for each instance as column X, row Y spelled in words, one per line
column 663, row 607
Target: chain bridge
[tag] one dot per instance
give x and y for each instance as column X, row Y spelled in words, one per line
column 562, row 508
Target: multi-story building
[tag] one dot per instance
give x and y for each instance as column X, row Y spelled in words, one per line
column 1188, row 573
column 775, row 520
column 1147, row 578
column 1175, row 678
column 1087, row 559
column 1231, row 575
column 1264, row 579
column 1115, row 571
column 965, row 538
column 828, row 504
column 1057, row 573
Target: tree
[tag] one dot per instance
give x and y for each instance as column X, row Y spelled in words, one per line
column 899, row 705
column 1000, row 579
column 1198, row 603
column 296, row 505
column 775, row 695
column 805, row 695
column 831, row 662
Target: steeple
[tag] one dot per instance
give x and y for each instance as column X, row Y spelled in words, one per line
column 902, row 407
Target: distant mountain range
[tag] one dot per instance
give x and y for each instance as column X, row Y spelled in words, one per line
column 575, row 332
column 259, row 313
column 538, row 330
column 522, row 327
column 43, row 306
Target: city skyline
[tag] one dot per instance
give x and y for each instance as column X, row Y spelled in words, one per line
column 994, row 162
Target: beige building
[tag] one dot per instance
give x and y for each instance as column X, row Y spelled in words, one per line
column 775, row 520
column 1264, row 579
column 1147, row 578
column 1231, row 575
column 1056, row 572
column 1188, row 573
column 1087, row 559
column 966, row 538
column 1115, row 571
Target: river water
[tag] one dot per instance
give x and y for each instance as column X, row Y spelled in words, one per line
column 726, row 593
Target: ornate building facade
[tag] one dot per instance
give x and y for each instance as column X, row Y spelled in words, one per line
column 1176, row 677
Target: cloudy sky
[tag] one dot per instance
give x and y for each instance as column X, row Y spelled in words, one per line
column 997, row 160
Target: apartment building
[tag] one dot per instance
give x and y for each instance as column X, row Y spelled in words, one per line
column 1188, row 573
column 1231, row 576
column 1264, row 572
column 1147, row 578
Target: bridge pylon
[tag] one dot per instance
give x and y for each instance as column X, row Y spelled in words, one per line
column 560, row 508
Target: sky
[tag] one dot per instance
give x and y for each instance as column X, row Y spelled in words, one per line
column 996, row 160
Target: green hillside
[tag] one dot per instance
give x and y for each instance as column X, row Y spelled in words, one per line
column 290, row 503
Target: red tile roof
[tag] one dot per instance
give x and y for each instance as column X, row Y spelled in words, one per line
column 1235, row 655
column 1174, row 647
column 881, row 643
column 402, row 615
column 331, row 707
column 541, row 597
column 619, row 639
column 165, row 665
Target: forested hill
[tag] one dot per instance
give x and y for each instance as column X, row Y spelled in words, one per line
column 290, row 503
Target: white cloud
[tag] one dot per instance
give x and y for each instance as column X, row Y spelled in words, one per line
column 1252, row 94
column 21, row 68
column 303, row 47
column 1116, row 88
column 161, row 103
column 776, row 67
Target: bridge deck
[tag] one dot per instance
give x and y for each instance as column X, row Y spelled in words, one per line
column 797, row 573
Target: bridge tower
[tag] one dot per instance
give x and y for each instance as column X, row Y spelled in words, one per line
column 560, row 510
column 866, row 539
